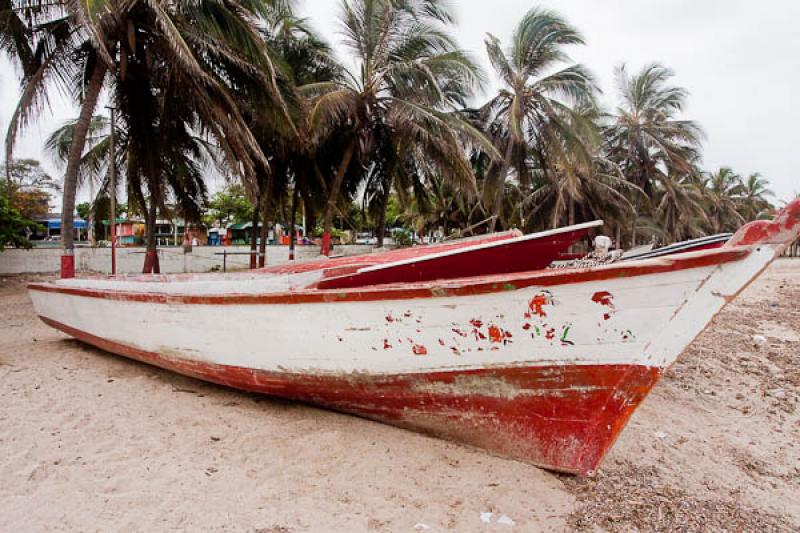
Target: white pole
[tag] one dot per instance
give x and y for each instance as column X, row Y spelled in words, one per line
column 90, row 229
column 113, row 194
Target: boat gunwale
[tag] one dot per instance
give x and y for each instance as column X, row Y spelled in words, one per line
column 438, row 288
column 678, row 246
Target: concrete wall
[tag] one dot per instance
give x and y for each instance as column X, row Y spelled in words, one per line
column 172, row 259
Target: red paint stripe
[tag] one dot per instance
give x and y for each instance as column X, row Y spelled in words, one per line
column 783, row 229
column 562, row 418
column 462, row 287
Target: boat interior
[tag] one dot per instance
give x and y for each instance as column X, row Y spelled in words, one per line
column 486, row 256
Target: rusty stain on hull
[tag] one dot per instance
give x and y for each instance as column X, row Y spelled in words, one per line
column 561, row 417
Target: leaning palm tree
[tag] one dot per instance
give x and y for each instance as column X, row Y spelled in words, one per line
column 399, row 100
column 197, row 50
column 54, row 54
column 184, row 158
column 528, row 119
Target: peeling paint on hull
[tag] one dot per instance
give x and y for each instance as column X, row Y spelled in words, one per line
column 562, row 418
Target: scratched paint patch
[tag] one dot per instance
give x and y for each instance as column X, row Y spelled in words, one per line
column 538, row 321
column 536, row 305
column 419, row 349
column 605, row 299
column 498, row 334
column 543, row 322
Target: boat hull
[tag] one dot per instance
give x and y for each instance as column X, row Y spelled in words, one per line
column 547, row 370
column 558, row 417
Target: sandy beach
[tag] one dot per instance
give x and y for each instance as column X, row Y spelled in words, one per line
column 95, row 442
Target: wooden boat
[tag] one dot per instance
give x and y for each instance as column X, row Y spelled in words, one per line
column 544, row 366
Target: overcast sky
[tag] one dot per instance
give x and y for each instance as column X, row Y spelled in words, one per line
column 740, row 61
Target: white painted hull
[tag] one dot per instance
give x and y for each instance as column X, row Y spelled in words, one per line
column 651, row 320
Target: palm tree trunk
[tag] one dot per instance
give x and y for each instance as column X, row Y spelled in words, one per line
column 151, row 264
column 254, row 233
column 90, row 222
column 309, row 212
column 263, row 232
column 9, row 182
column 292, row 216
column 73, row 163
column 380, row 224
column 333, row 196
column 380, row 228
column 498, row 204
column 571, row 220
column 557, row 213
column 571, row 212
column 501, row 190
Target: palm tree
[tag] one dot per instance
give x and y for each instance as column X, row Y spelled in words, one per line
column 93, row 165
column 680, row 210
column 54, row 53
column 192, row 53
column 303, row 58
column 645, row 136
column 654, row 148
column 753, row 197
column 528, row 119
column 582, row 184
column 722, row 189
column 180, row 170
column 397, row 104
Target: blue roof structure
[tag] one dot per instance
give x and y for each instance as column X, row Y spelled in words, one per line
column 55, row 223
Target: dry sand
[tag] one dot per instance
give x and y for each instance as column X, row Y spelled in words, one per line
column 94, row 442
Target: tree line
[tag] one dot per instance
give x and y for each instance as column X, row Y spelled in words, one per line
column 247, row 89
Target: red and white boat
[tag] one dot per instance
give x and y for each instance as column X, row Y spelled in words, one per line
column 541, row 365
